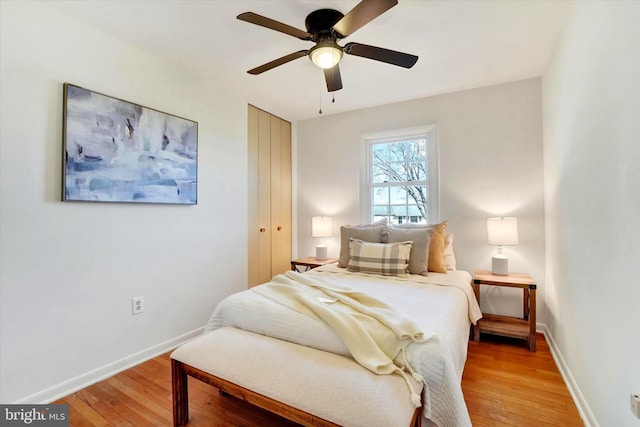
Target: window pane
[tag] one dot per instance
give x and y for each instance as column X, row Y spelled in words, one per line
column 397, row 151
column 419, row 148
column 381, row 196
column 416, row 171
column 397, row 195
column 380, row 153
column 417, row 194
column 380, row 174
column 397, row 172
column 380, row 210
column 399, row 211
column 414, row 211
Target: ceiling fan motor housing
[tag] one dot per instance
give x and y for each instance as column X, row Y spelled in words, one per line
column 320, row 22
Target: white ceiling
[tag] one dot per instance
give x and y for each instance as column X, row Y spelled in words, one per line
column 460, row 44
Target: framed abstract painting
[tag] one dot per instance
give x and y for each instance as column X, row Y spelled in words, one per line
column 118, row 151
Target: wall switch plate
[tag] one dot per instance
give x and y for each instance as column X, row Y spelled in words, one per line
column 635, row 405
column 137, row 305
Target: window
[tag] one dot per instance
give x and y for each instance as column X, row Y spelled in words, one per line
column 402, row 176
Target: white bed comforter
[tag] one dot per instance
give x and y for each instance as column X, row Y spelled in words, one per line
column 443, row 305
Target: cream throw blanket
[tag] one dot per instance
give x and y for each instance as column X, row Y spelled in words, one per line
column 374, row 333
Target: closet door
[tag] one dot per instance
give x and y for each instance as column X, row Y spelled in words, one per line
column 269, row 190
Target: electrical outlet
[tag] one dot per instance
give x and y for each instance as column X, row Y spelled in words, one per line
column 137, row 305
column 635, row 405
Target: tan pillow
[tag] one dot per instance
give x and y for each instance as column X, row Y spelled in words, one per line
column 436, row 245
column 389, row 259
column 365, row 233
column 449, row 256
column 419, row 258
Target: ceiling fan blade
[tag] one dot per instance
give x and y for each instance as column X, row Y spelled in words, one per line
column 278, row 62
column 263, row 21
column 332, row 76
column 380, row 54
column 364, row 12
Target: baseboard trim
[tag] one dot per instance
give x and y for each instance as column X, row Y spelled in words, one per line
column 583, row 408
column 81, row 381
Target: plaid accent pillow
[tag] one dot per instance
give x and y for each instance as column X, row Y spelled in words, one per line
column 389, row 259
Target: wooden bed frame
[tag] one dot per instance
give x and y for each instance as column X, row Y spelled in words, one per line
column 180, row 372
column 219, row 360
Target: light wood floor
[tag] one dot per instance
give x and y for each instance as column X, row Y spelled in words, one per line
column 503, row 384
column 507, row 385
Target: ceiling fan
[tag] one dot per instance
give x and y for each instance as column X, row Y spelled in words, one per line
column 325, row 27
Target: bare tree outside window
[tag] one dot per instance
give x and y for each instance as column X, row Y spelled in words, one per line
column 399, row 180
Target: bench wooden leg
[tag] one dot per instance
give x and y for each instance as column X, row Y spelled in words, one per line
column 180, row 391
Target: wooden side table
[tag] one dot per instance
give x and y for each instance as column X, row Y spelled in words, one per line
column 515, row 327
column 309, row 263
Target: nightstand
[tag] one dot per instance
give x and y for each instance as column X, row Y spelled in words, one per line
column 310, row 262
column 515, row 327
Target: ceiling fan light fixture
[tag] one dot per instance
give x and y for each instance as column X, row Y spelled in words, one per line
column 326, row 54
column 325, row 27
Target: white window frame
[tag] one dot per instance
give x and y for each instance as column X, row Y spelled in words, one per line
column 430, row 133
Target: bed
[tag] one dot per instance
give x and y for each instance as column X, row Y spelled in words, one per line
column 278, row 356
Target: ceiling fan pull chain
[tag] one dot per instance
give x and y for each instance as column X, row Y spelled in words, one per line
column 333, row 100
column 320, row 92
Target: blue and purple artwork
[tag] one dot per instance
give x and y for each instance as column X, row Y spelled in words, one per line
column 116, row 151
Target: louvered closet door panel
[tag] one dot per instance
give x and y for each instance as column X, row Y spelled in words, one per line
column 264, row 196
column 285, row 189
column 276, row 195
column 253, row 242
column 280, row 256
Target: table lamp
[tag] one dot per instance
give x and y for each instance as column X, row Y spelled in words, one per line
column 321, row 226
column 501, row 232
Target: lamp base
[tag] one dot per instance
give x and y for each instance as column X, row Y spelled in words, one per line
column 321, row 252
column 500, row 265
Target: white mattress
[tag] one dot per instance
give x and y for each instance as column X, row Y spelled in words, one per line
column 441, row 304
column 284, row 371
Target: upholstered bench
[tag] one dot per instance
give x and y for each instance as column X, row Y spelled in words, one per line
column 305, row 385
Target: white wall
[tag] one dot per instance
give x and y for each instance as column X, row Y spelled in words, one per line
column 68, row 270
column 490, row 145
column 591, row 100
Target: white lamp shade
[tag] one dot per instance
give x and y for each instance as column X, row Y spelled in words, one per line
column 502, row 231
column 321, row 226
